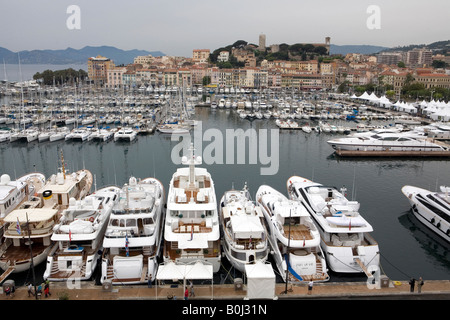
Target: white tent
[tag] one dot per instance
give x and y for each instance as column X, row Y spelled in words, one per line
column 177, row 271
column 364, row 96
column 260, row 281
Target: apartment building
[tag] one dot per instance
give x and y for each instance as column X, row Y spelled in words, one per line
column 115, row 77
column 200, row 55
column 98, row 69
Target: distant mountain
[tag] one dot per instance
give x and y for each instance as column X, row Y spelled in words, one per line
column 437, row 47
column 73, row 56
column 362, row 49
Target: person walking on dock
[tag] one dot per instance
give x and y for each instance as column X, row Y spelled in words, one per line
column 419, row 285
column 310, row 287
column 191, row 290
column 412, row 282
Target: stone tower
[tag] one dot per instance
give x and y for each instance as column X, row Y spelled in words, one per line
column 262, row 42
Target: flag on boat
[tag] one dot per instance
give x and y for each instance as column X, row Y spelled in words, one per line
column 126, row 245
column 70, row 235
column 18, row 227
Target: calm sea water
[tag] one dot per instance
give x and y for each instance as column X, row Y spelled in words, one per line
column 13, row 72
column 408, row 249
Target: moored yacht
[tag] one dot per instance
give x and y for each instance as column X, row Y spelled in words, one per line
column 345, row 234
column 191, row 230
column 133, row 236
column 78, row 134
column 431, row 208
column 34, row 220
column 385, row 142
column 125, row 134
column 244, row 238
column 293, row 236
column 79, row 236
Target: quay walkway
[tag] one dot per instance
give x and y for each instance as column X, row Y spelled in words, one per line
column 431, row 290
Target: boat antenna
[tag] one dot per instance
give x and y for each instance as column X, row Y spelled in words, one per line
column 353, row 187
column 62, row 165
column 287, row 254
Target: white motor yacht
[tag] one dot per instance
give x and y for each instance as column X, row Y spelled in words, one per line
column 79, row 236
column 385, row 142
column 244, row 238
column 34, row 220
column 431, row 208
column 133, row 236
column 192, row 230
column 345, row 234
column 294, row 238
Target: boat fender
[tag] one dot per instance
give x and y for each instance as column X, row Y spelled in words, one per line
column 438, row 224
column 448, row 232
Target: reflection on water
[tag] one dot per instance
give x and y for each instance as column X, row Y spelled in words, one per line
column 376, row 183
column 431, row 243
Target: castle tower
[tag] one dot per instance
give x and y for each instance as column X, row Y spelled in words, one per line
column 262, row 42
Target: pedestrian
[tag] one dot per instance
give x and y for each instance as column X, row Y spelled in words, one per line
column 30, row 290
column 186, row 294
column 412, row 282
column 7, row 291
column 13, row 290
column 47, row 289
column 419, row 285
column 310, row 287
column 191, row 290
column 39, row 291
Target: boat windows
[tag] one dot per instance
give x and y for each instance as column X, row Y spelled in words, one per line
column 437, row 211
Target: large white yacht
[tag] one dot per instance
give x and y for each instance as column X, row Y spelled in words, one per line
column 192, row 230
column 385, row 142
column 133, row 237
column 34, row 220
column 79, row 236
column 125, row 134
column 14, row 192
column 345, row 234
column 244, row 238
column 431, row 208
column 293, row 236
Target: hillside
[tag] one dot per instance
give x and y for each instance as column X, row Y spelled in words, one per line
column 73, row 56
column 437, row 47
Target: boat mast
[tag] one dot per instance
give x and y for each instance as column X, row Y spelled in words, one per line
column 31, row 258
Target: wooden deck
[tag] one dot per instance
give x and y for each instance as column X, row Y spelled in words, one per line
column 298, row 232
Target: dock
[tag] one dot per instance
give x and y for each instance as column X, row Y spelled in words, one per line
column 87, row 290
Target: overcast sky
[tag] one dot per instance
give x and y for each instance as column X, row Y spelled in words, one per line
column 175, row 27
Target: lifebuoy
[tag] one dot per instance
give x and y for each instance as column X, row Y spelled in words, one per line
column 91, row 219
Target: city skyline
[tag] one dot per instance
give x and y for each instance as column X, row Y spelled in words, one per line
column 177, row 27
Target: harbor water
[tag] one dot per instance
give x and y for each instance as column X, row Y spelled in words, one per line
column 407, row 248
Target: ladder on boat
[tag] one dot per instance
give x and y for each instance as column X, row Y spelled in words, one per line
column 6, row 273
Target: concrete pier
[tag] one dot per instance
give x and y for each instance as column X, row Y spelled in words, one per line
column 432, row 289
